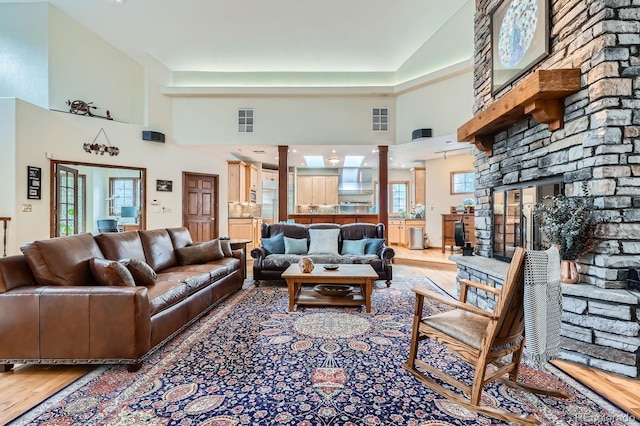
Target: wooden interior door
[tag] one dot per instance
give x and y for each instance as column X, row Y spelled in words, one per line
column 200, row 205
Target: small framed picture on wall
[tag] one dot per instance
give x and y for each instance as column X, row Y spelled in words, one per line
column 164, row 185
column 34, row 182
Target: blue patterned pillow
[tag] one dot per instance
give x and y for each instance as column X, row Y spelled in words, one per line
column 372, row 245
column 295, row 245
column 353, row 247
column 274, row 244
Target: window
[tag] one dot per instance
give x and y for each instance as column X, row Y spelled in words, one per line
column 245, row 120
column 380, row 119
column 462, row 182
column 398, row 199
column 123, row 192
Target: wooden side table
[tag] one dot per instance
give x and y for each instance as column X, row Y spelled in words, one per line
column 241, row 244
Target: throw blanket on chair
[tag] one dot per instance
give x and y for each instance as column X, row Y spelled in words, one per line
column 542, row 306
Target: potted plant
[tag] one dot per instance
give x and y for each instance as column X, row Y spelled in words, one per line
column 569, row 224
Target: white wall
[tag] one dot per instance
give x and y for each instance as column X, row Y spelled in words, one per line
column 23, row 52
column 85, row 67
column 8, row 166
column 296, row 120
column 62, row 135
column 442, row 106
column 452, row 43
column 438, row 191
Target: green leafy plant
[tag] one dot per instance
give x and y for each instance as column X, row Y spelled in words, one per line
column 568, row 222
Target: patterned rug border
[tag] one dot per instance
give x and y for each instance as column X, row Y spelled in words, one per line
column 221, row 311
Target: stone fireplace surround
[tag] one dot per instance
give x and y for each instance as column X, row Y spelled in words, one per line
column 599, row 144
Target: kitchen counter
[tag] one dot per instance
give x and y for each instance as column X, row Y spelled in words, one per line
column 309, row 218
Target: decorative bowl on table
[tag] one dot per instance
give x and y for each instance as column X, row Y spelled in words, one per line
column 331, row 267
column 333, row 289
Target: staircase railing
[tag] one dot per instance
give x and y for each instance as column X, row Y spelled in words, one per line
column 5, row 221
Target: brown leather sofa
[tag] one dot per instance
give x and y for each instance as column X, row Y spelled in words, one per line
column 269, row 266
column 53, row 311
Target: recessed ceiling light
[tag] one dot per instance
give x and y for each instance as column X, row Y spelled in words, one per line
column 333, row 151
column 390, row 158
column 364, row 164
column 295, row 150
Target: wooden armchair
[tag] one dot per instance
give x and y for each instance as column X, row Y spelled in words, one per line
column 480, row 338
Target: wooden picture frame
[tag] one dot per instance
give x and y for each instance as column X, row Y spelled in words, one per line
column 519, row 39
column 164, row 185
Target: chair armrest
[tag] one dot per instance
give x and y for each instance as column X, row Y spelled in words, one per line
column 424, row 292
column 479, row 286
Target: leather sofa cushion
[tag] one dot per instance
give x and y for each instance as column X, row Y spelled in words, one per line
column 180, row 237
column 121, row 245
column 62, row 261
column 15, row 272
column 358, row 231
column 142, row 273
column 199, row 253
column 110, row 272
column 290, row 230
column 168, row 290
column 158, row 249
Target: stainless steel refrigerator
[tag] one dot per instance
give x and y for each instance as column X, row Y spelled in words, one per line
column 269, row 202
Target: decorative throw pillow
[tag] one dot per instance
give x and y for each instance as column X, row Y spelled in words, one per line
column 225, row 245
column 353, row 247
column 142, row 273
column 275, row 244
column 200, row 253
column 372, row 245
column 110, row 272
column 323, row 241
column 295, row 245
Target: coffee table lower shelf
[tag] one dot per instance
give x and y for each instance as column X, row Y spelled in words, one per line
column 310, row 297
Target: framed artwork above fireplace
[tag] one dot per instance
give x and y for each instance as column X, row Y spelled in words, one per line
column 519, row 39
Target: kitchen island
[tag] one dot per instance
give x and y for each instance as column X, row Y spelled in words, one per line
column 309, row 218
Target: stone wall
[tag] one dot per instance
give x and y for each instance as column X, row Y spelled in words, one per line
column 599, row 144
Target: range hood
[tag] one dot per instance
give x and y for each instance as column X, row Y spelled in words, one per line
column 355, row 181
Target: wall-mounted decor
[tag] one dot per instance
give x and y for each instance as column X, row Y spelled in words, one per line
column 519, row 39
column 84, row 108
column 96, row 148
column 34, row 182
column 164, row 185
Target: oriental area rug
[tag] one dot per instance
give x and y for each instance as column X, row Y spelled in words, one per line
column 250, row 362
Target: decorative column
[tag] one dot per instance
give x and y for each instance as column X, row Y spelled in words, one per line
column 383, row 186
column 283, row 181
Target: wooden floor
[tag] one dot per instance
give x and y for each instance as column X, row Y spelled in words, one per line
column 28, row 385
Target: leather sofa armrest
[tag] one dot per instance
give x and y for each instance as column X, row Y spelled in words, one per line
column 75, row 323
column 386, row 254
column 239, row 254
column 259, row 253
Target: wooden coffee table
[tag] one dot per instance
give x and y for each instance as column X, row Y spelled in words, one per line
column 351, row 274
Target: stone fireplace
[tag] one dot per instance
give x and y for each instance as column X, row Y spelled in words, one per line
column 599, row 144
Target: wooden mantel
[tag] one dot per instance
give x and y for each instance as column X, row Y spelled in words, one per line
column 540, row 95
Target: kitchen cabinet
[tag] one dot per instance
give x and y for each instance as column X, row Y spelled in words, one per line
column 252, row 176
column 448, row 226
column 342, row 219
column 317, row 190
column 246, row 229
column 237, row 182
column 269, row 175
column 398, row 232
column 418, row 185
column 395, row 231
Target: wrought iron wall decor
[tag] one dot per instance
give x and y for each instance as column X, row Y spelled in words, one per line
column 95, row 148
column 84, row 108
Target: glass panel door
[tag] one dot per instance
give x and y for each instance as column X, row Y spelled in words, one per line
column 67, row 201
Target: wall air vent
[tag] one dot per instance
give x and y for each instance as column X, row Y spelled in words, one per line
column 380, row 119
